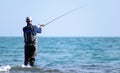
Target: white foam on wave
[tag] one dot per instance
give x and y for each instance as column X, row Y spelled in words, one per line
column 24, row 66
column 5, row 68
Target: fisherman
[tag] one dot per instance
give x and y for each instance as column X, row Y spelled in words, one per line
column 30, row 39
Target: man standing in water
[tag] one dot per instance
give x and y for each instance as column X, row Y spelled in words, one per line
column 30, row 31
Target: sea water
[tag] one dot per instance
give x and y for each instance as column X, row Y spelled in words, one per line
column 62, row 55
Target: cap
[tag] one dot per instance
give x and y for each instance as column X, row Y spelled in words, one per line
column 29, row 18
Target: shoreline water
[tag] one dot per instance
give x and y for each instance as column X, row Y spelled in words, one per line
column 82, row 69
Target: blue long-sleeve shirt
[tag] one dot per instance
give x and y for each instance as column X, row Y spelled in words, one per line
column 36, row 29
column 34, row 32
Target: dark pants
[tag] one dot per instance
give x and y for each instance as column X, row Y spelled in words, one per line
column 30, row 53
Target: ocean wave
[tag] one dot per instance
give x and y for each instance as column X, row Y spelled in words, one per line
column 82, row 69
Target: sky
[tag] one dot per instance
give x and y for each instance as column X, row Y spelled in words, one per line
column 94, row 18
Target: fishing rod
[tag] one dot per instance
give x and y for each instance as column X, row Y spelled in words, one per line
column 61, row 16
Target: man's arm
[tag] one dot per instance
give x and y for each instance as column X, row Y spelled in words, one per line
column 39, row 29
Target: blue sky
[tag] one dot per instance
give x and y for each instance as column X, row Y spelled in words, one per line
column 95, row 18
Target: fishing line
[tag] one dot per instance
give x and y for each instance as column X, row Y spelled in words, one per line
column 61, row 16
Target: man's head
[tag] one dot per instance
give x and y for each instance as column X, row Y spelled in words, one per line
column 28, row 19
